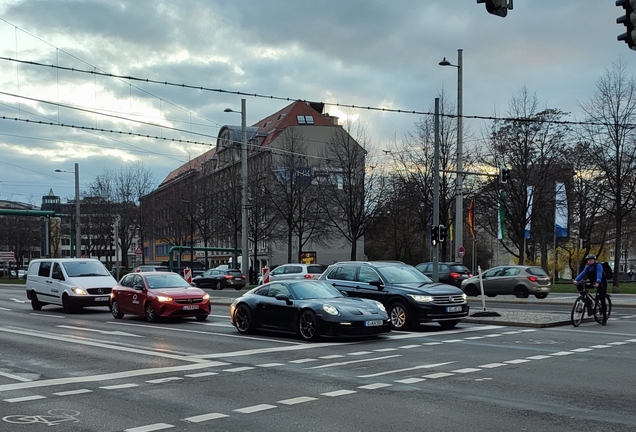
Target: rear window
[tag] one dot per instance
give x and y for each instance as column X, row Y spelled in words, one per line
column 460, row 269
column 315, row 269
column 536, row 271
column 235, row 273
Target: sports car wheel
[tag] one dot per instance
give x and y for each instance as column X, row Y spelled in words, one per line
column 35, row 302
column 243, row 319
column 114, row 309
column 308, row 326
column 399, row 316
column 151, row 316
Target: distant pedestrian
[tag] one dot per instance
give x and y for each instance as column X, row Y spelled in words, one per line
column 251, row 274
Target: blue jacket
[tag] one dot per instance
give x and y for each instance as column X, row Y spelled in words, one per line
column 593, row 272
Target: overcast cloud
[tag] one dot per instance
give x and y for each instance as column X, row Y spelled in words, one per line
column 360, row 52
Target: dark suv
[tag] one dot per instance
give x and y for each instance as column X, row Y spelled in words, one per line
column 410, row 297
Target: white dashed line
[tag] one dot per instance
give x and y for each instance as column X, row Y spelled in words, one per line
column 255, row 408
column 294, row 401
column 354, row 361
column 528, row 330
column 205, row 417
column 334, row 356
column 339, row 393
column 438, row 375
column 616, row 343
column 539, row 357
column 428, row 366
column 493, row 335
column 579, row 350
column 73, row 392
column 599, row 346
column 163, row 380
column 119, row 386
column 511, row 332
column 19, row 378
column 492, row 365
column 5, row 309
column 359, row 353
column 561, row 353
column 201, row 374
column 409, row 346
column 466, row 370
column 385, row 349
column 453, row 340
column 410, row 380
column 431, row 343
column 150, row 428
column 517, row 361
column 239, row 369
column 630, row 340
column 375, row 386
column 25, row 398
column 267, row 365
column 474, row 338
column 306, row 360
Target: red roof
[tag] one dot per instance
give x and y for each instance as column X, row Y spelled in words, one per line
column 194, row 164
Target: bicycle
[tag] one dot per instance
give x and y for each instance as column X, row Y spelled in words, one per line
column 593, row 305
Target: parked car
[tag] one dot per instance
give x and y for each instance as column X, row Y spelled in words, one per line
column 296, row 271
column 150, row 268
column 196, row 267
column 409, row 297
column 156, row 295
column 309, row 308
column 449, row 273
column 518, row 280
column 219, row 279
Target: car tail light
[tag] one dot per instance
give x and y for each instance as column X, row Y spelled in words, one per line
column 243, row 276
column 532, row 278
column 455, row 275
column 470, row 275
column 309, row 276
column 227, row 277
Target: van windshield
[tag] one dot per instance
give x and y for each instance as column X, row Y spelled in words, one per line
column 85, row 268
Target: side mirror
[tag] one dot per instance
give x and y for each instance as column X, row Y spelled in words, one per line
column 284, row 298
column 139, row 287
column 378, row 284
column 344, row 293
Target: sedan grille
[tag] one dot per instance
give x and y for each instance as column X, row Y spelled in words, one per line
column 448, row 299
column 189, row 301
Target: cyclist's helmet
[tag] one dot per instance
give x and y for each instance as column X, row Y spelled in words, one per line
column 590, row 256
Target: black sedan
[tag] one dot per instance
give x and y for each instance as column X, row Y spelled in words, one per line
column 308, row 308
column 218, row 279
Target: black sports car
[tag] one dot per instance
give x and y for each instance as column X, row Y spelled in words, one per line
column 308, row 308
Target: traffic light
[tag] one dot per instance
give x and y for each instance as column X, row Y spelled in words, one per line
column 497, row 7
column 442, row 233
column 434, row 235
column 504, row 175
column 629, row 21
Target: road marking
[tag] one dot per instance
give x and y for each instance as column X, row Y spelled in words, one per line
column 354, row 361
column 492, row 365
column 202, row 374
column 205, row 417
column 305, row 360
column 46, row 315
column 239, row 369
column 616, row 343
column 227, row 317
column 579, row 350
column 453, row 340
column 359, row 353
column 19, row 301
column 163, row 380
column 150, row 428
column 528, row 330
column 294, row 401
column 466, row 370
column 411, row 335
column 15, row 377
column 432, row 343
column 255, row 408
column 492, row 335
column 517, row 361
column 212, row 324
column 410, row 380
column 409, row 346
column 5, row 309
column 438, row 375
column 73, row 392
column 474, row 337
column 428, row 366
column 599, row 346
column 385, row 349
column 25, row 398
column 338, row 393
column 114, row 333
column 511, row 332
column 119, row 386
column 629, row 340
column 375, row 386
column 256, row 351
column 329, row 357
column 561, row 353
column 541, row 357
column 266, row 365
column 110, row 376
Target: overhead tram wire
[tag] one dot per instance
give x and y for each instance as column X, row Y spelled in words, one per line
column 335, row 104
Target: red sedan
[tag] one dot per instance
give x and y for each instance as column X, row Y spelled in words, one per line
column 156, row 295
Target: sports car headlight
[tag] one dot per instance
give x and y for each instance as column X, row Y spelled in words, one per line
column 380, row 306
column 79, row 291
column 164, row 298
column 421, row 298
column 206, row 296
column 331, row 310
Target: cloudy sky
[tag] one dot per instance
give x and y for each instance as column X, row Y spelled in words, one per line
column 367, row 53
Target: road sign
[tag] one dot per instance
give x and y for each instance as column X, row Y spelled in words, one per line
column 265, row 275
column 461, row 252
column 7, row 257
column 187, row 274
column 138, row 251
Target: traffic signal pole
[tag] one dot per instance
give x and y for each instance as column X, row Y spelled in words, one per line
column 435, row 246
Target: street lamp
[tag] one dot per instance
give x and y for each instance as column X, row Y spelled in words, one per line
column 244, row 252
column 459, row 203
column 78, row 232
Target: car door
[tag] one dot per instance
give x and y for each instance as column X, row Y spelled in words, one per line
column 343, row 278
column 367, row 286
column 277, row 313
column 139, row 293
column 494, row 281
column 57, row 281
column 45, row 284
column 509, row 280
column 124, row 293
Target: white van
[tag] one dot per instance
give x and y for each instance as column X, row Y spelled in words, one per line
column 69, row 282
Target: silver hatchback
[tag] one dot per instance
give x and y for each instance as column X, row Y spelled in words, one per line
column 518, row 280
column 296, row 271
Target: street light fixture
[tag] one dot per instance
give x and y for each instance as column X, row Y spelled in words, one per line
column 244, row 252
column 78, row 232
column 459, row 203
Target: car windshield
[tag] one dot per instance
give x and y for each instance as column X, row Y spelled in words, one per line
column 314, row 290
column 85, row 268
column 536, row 271
column 403, row 274
column 165, row 281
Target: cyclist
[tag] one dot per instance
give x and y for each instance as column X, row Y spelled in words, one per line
column 594, row 272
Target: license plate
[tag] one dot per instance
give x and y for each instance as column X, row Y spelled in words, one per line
column 237, row 278
column 372, row 323
column 191, row 307
column 454, row 309
column 101, row 298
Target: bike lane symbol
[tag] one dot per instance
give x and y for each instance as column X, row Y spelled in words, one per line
column 52, row 418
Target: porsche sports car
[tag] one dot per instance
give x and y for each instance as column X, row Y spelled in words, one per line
column 156, row 295
column 308, row 308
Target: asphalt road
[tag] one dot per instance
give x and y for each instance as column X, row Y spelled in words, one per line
column 90, row 372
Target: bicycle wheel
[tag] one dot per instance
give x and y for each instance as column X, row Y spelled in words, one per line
column 598, row 312
column 578, row 310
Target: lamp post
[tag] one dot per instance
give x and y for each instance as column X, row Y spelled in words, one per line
column 78, row 232
column 459, row 203
column 244, row 252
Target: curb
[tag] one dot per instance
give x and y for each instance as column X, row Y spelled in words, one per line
column 521, row 324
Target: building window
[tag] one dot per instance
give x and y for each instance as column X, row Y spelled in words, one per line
column 305, row 119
